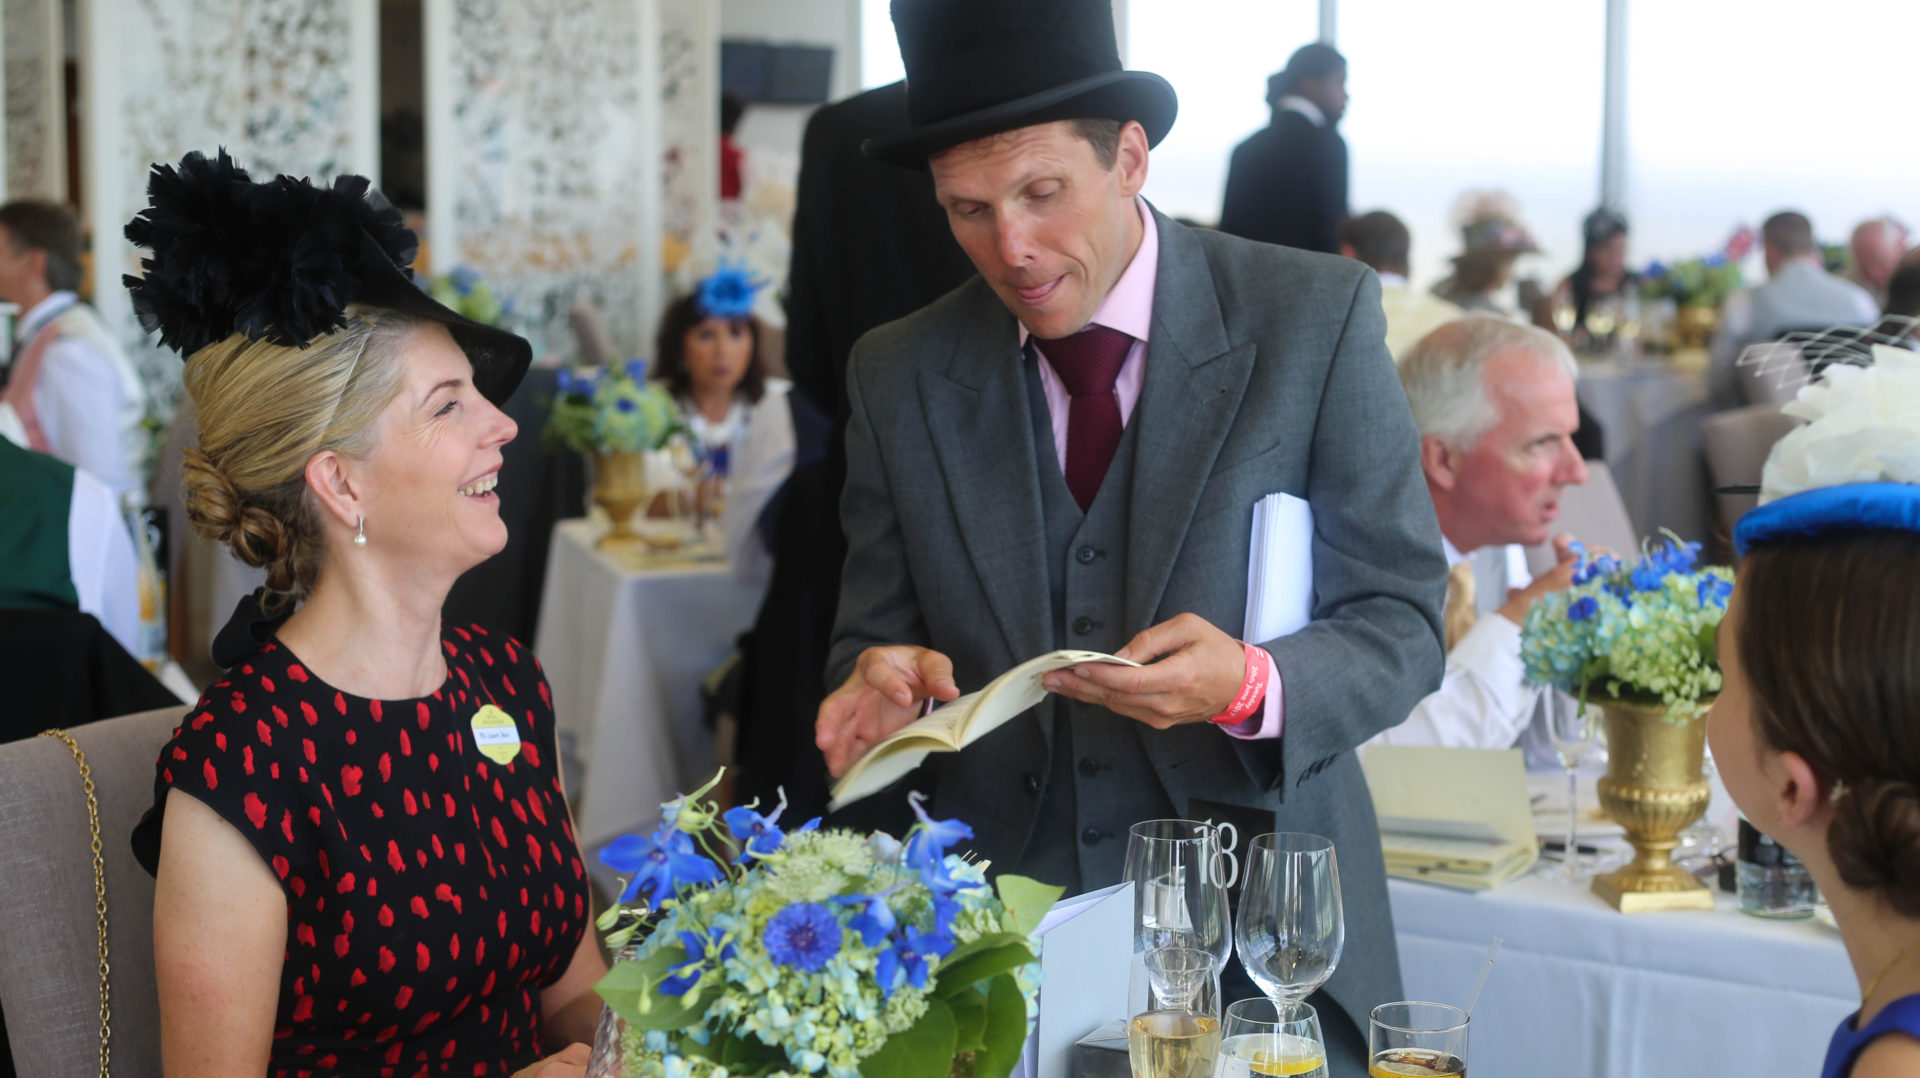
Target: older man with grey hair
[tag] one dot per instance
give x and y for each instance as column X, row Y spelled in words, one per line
column 1494, row 405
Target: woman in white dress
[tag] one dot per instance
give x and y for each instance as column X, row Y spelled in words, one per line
column 708, row 356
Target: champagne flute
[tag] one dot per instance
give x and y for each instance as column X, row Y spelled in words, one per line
column 1261, row 1037
column 1177, row 1034
column 1572, row 732
column 1181, row 871
column 1417, row 1040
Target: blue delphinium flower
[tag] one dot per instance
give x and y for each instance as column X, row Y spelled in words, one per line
column 659, row 864
column 702, row 951
column 875, row 921
column 760, row 835
column 1714, row 590
column 1583, row 608
column 804, row 936
column 625, row 404
column 637, row 369
column 463, row 279
column 909, row 958
column 927, row 846
column 1647, row 576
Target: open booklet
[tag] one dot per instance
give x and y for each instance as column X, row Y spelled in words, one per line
column 1457, row 817
column 955, row 725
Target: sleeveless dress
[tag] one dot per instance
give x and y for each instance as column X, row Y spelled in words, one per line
column 1900, row 1016
column 431, row 892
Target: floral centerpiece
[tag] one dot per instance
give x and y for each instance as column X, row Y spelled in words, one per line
column 1692, row 282
column 771, row 953
column 617, row 417
column 1639, row 639
column 1641, row 633
column 466, row 294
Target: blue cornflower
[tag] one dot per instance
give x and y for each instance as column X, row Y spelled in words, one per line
column 659, row 865
column 875, row 921
column 1583, row 608
column 804, row 936
column 701, row 951
column 1714, row 590
column 909, row 956
column 637, row 369
column 625, row 404
column 760, row 835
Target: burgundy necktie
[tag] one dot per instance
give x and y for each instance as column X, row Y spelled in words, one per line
column 1087, row 363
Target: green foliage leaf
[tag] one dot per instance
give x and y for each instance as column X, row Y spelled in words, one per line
column 925, row 1050
column 969, row 1019
column 1027, row 901
column 630, row 988
column 1006, row 1033
column 952, row 978
column 984, row 943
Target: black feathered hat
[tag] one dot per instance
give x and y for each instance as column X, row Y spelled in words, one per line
column 281, row 260
column 979, row 67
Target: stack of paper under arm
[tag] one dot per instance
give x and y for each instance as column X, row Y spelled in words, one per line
column 1457, row 817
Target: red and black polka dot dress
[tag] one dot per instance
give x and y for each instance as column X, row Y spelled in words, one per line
column 431, row 892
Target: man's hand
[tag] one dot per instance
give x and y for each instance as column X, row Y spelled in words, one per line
column 1557, row 579
column 1196, row 672
column 884, row 693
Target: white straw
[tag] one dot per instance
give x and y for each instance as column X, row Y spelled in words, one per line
column 1473, row 994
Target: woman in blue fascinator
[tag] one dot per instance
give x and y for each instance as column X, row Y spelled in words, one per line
column 1817, row 731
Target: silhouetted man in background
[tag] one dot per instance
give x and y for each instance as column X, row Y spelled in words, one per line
column 1287, row 184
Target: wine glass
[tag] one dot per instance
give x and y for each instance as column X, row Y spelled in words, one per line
column 1175, row 1030
column 1290, row 930
column 1181, row 871
column 1424, row 1040
column 1572, row 729
column 1261, row 1037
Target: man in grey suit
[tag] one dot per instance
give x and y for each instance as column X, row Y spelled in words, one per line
column 1002, row 501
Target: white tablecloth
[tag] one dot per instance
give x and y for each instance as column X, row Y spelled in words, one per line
column 625, row 647
column 1651, row 417
column 1581, row 991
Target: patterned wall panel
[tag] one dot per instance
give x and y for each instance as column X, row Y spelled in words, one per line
column 34, row 110
column 267, row 79
column 547, row 108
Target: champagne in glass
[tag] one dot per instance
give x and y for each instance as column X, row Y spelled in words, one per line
column 1262, row 1037
column 1417, row 1040
column 1177, row 1035
column 1291, row 928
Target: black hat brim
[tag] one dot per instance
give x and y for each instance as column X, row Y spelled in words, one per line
column 500, row 359
column 1116, row 95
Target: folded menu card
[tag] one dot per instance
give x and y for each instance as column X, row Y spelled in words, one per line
column 1457, row 817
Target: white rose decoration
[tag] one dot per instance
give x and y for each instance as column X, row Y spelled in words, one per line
column 1863, row 426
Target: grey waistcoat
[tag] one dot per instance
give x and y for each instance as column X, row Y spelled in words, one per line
column 1098, row 764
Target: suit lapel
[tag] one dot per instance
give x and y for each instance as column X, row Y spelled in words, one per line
column 1194, row 382
column 978, row 417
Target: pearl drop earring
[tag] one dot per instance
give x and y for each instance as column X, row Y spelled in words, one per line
column 360, row 533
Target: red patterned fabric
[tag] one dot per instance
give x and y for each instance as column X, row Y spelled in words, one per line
column 431, row 893
column 1087, row 363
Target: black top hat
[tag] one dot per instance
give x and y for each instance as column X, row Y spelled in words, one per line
column 980, row 67
column 281, row 260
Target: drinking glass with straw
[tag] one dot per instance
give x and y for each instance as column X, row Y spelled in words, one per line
column 1424, row 1040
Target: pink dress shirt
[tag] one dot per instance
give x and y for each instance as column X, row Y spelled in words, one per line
column 1129, row 309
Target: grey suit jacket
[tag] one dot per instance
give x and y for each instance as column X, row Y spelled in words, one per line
column 1266, row 370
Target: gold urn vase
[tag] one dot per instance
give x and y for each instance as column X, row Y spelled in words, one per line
column 620, row 487
column 1654, row 788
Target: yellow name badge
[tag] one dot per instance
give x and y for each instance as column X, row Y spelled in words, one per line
column 495, row 735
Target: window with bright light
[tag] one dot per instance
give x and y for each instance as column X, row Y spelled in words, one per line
column 1734, row 114
column 879, row 49
column 1468, row 94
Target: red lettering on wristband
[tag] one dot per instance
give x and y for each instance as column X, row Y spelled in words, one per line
column 1253, row 690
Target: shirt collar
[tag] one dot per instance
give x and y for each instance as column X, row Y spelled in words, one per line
column 44, row 312
column 1129, row 304
column 1392, row 280
column 1454, row 557
column 1296, row 103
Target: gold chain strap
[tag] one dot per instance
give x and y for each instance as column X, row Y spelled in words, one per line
column 99, row 890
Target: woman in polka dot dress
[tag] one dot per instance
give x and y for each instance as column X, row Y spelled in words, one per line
column 363, row 856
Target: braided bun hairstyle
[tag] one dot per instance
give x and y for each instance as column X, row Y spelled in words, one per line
column 1830, row 641
column 265, row 409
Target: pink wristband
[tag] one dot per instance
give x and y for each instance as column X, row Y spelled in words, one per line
column 1253, row 691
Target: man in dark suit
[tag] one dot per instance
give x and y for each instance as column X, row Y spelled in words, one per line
column 869, row 244
column 1287, row 184
column 1066, row 451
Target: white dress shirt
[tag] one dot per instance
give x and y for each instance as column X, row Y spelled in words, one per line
column 1483, row 701
column 89, row 401
column 100, row 554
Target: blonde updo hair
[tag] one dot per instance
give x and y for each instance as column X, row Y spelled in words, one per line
column 264, row 410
